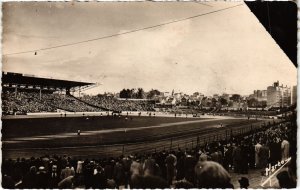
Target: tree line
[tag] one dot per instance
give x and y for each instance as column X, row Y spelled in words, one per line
column 138, row 93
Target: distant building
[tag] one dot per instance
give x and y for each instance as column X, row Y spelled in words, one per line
column 260, row 95
column 278, row 96
column 294, row 95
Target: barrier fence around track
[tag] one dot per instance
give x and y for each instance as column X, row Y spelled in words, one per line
column 199, row 140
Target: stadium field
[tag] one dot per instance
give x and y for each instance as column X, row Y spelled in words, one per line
column 111, row 135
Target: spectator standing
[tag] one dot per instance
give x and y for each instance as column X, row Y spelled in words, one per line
column 189, row 171
column 42, row 178
column 53, row 178
column 237, row 158
column 67, row 172
column 99, row 179
column 227, row 161
column 285, row 149
column 171, row 162
column 119, row 174
column 257, row 150
column 264, row 155
column 30, row 179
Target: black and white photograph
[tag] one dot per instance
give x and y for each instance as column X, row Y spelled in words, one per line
column 149, row 95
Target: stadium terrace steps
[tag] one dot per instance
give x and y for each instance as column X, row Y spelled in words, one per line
column 95, row 106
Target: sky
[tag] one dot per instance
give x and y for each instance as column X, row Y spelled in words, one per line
column 222, row 51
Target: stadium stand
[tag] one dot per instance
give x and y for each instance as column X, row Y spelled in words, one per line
column 23, row 94
column 29, row 94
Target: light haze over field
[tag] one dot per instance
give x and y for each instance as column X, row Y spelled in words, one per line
column 225, row 51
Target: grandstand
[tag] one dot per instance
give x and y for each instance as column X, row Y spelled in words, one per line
column 22, row 94
column 25, row 94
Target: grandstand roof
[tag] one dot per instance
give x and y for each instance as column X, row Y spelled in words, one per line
column 23, row 79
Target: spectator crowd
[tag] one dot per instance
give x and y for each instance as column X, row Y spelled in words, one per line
column 31, row 102
column 204, row 166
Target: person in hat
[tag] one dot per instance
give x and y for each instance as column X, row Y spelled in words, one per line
column 171, row 162
column 244, row 183
column 53, row 177
column 42, row 178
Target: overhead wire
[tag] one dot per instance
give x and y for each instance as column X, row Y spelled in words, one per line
column 122, row 33
column 201, row 3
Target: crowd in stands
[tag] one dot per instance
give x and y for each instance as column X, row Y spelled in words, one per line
column 205, row 166
column 112, row 103
column 68, row 103
column 23, row 102
column 31, row 102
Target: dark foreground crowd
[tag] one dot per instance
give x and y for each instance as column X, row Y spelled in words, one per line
column 201, row 167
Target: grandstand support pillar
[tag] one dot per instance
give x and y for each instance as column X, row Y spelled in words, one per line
column 40, row 92
column 68, row 91
column 16, row 91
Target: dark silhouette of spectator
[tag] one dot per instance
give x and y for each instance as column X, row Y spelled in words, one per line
column 251, row 157
column 237, row 158
column 244, row 183
column 183, row 184
column 148, row 182
column 53, row 178
column 8, row 182
column 30, row 179
column 275, row 150
column 189, row 164
column 171, row 162
column 119, row 174
column 126, row 162
column 99, row 180
column 88, row 173
column 244, row 158
column 227, row 161
column 42, row 178
column 284, row 180
column 263, row 155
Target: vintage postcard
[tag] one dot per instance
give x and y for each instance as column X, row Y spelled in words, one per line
column 196, row 94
